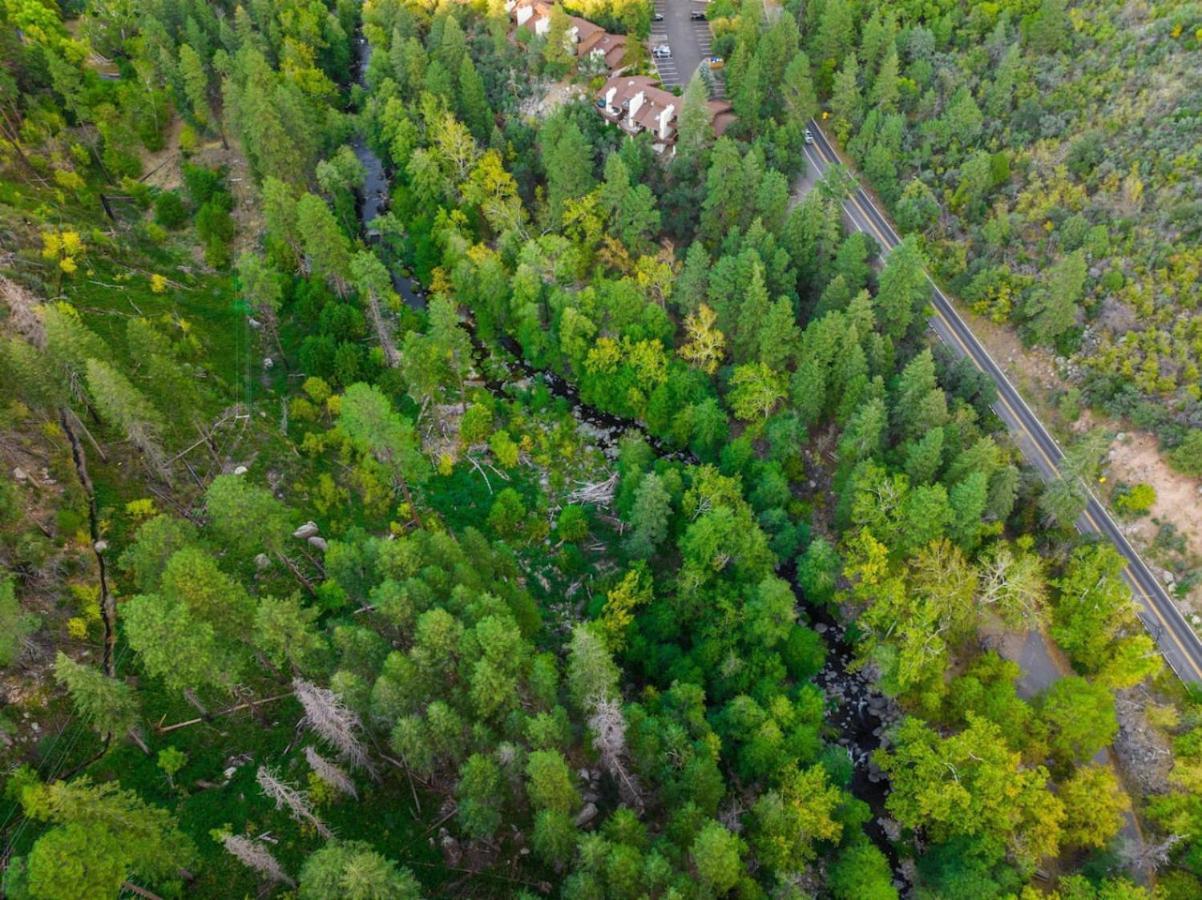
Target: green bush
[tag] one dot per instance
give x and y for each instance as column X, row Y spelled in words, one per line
column 169, row 210
column 1135, row 500
column 215, row 228
column 1186, row 457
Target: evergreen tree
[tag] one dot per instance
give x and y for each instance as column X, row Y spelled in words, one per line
column 473, row 103
column 1052, row 307
column 127, row 409
column 649, row 517
column 847, row 105
column 196, row 85
column 753, row 313
column 354, row 870
column 797, row 91
column 326, row 247
column 367, row 418
column 694, row 124
column 105, row 704
column 16, row 625
column 568, row 159
column 102, row 835
column 903, row 289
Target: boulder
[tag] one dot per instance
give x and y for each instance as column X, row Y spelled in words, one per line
column 306, row 531
column 586, row 815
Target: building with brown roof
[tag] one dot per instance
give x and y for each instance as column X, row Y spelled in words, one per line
column 722, row 114
column 585, row 39
column 636, row 103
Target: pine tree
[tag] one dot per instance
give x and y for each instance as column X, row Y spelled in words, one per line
column 649, row 517
column 847, row 106
column 797, row 91
column 105, row 704
column 353, row 870
column 779, row 335
column 103, row 835
column 325, row 245
column 16, row 625
column 694, row 124
column 367, row 418
column 245, row 517
column 836, row 33
column 127, row 409
column 884, row 91
column 568, row 159
column 689, row 292
column 196, row 85
column 1052, row 307
column 903, row 289
column 473, row 104
column 753, row 312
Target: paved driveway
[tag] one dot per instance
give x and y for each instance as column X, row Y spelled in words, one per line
column 689, row 40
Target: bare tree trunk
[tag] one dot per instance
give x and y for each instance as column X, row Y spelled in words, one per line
column 191, row 697
column 137, row 739
column 404, row 486
column 108, row 605
column 140, row 891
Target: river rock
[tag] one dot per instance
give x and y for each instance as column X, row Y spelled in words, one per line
column 240, row 470
column 100, row 546
column 20, row 474
column 306, row 531
column 586, row 815
column 262, row 561
column 318, row 543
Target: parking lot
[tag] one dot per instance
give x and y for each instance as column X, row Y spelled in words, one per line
column 688, row 39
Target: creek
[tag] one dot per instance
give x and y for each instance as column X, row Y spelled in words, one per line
column 858, row 715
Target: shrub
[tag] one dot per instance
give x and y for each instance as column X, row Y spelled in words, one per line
column 1135, row 500
column 1186, row 457
column 169, row 210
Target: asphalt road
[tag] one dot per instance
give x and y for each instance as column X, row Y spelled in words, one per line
column 689, row 40
column 1178, row 642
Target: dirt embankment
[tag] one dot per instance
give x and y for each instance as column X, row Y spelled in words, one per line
column 1170, row 536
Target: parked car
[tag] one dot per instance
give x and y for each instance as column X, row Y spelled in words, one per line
column 697, row 15
column 716, row 62
column 663, row 51
column 809, row 136
column 657, row 17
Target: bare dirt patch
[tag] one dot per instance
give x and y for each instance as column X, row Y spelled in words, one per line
column 1134, row 459
column 162, row 167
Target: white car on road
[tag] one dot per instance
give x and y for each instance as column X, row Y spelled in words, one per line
column 662, row 51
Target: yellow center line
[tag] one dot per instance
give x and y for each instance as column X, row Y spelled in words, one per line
column 1133, row 582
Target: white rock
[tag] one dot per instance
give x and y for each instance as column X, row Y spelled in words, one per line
column 262, row 561
column 100, row 546
column 20, row 474
column 268, row 362
column 240, row 470
column 306, row 531
column 318, row 543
